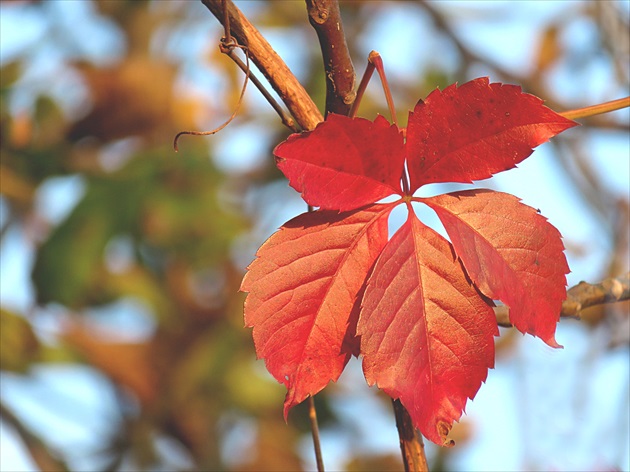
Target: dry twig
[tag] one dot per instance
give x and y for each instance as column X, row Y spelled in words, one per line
column 583, row 295
column 43, row 457
column 286, row 85
column 411, row 443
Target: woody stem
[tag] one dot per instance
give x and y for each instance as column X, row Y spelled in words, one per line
column 411, row 443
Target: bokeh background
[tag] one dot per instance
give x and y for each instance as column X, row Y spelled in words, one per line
column 122, row 340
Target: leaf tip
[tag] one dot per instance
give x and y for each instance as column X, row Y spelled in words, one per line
column 443, row 429
column 551, row 342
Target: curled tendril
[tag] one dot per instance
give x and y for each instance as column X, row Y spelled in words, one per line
column 227, row 46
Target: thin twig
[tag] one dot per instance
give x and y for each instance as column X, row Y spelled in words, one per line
column 287, row 120
column 312, row 415
column 227, row 46
column 229, row 40
column 230, row 47
column 581, row 296
column 469, row 56
column 38, row 451
column 286, row 85
column 226, row 22
column 374, row 62
column 325, row 17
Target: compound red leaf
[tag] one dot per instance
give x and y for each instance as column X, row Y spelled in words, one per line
column 473, row 131
column 344, row 163
column 511, row 253
column 425, row 329
column 426, row 333
column 303, row 288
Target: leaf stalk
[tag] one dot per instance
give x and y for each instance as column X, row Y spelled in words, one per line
column 597, row 109
column 312, row 416
column 375, row 58
column 365, row 80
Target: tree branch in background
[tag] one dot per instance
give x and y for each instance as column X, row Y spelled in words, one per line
column 582, row 296
column 325, row 17
column 38, row 451
column 269, row 63
column 530, row 84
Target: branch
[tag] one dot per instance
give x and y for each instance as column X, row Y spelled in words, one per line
column 411, row 444
column 269, row 63
column 40, row 454
column 528, row 83
column 325, row 18
column 583, row 295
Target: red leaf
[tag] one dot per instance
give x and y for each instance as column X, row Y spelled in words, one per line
column 473, row 131
column 344, row 163
column 302, row 289
column 426, row 334
column 511, row 253
column 426, row 330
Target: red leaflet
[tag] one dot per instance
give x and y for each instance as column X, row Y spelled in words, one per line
column 473, row 131
column 511, row 253
column 344, row 163
column 426, row 335
column 425, row 332
column 303, row 288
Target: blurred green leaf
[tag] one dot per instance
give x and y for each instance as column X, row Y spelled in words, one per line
column 19, row 347
column 69, row 264
column 161, row 200
column 9, row 73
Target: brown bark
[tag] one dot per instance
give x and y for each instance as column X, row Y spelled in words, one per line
column 325, row 17
column 281, row 79
column 411, row 443
column 582, row 296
